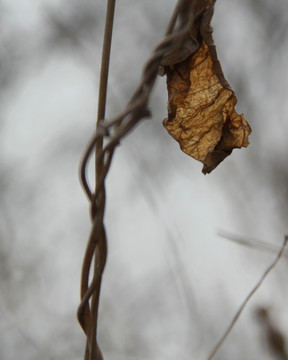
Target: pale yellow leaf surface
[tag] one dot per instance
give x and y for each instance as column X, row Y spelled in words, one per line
column 201, row 114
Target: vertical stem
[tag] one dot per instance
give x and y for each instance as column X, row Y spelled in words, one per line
column 105, row 59
column 100, row 248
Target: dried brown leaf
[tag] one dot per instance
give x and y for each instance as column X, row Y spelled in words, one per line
column 201, row 114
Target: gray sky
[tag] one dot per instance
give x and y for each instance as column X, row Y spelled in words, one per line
column 171, row 285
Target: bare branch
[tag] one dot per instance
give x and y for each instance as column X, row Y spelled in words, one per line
column 253, row 291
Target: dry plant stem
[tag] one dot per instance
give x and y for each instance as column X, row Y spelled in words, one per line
column 251, row 243
column 105, row 59
column 112, row 131
column 253, row 291
column 97, row 242
column 173, row 19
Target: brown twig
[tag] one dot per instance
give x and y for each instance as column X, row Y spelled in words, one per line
column 105, row 59
column 105, row 140
column 88, row 317
column 252, row 292
column 251, row 243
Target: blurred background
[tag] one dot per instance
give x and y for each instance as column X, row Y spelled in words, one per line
column 171, row 284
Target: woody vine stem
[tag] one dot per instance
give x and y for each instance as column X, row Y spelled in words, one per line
column 185, row 20
column 189, row 27
column 96, row 247
column 112, row 131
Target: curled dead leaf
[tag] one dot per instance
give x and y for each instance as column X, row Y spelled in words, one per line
column 201, row 114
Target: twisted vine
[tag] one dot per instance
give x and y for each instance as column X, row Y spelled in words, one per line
column 181, row 30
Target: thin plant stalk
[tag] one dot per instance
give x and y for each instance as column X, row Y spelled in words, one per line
column 95, row 352
column 105, row 61
column 106, row 50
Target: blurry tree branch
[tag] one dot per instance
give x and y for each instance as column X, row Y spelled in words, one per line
column 245, row 302
column 273, row 336
column 252, row 243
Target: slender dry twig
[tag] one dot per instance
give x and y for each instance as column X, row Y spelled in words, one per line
column 98, row 249
column 253, row 291
column 105, row 140
column 105, row 59
column 252, row 243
